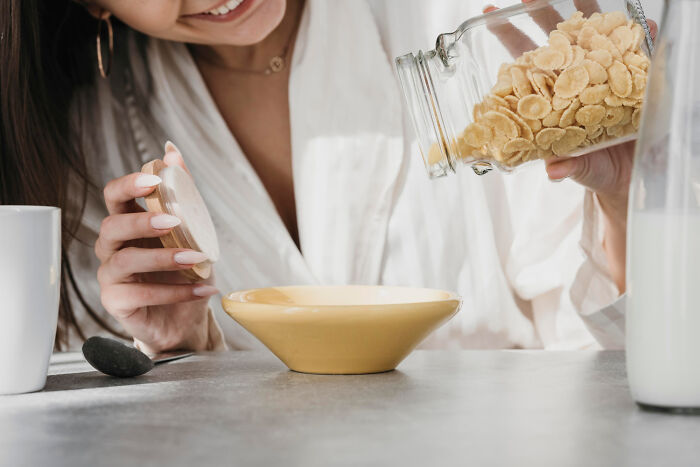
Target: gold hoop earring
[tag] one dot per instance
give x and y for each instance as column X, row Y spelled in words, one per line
column 104, row 18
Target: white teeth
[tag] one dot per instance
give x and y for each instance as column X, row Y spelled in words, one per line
column 225, row 8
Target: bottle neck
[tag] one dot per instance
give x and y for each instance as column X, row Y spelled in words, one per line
column 419, row 75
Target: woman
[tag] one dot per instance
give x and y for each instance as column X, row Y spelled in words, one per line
column 290, row 120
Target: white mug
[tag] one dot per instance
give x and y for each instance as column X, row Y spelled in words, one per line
column 30, row 273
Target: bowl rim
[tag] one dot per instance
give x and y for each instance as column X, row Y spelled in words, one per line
column 235, row 297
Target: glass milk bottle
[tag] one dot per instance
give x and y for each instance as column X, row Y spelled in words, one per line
column 663, row 249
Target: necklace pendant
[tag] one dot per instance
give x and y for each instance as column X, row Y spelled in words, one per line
column 276, row 64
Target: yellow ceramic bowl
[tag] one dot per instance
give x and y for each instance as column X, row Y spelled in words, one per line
column 341, row 330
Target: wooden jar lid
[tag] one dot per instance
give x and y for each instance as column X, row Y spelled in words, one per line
column 177, row 195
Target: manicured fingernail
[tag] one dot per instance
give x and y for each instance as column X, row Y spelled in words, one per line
column 164, row 221
column 147, row 181
column 488, row 8
column 170, row 147
column 190, row 257
column 557, row 178
column 205, row 291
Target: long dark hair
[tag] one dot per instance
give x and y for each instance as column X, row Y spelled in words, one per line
column 46, row 56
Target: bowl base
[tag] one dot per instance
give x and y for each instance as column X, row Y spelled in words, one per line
column 342, row 373
column 672, row 410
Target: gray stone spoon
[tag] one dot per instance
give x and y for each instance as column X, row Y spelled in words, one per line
column 113, row 358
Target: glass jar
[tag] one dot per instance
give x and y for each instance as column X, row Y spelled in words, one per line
column 531, row 81
column 663, row 246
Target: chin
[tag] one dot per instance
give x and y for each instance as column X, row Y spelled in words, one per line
column 262, row 20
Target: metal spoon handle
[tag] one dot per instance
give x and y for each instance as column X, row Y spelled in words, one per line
column 170, row 357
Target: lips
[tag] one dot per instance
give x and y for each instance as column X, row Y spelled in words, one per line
column 230, row 5
column 224, row 12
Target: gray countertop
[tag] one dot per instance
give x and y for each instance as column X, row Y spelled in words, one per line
column 475, row 408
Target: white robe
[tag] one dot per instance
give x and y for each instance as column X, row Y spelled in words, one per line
column 367, row 212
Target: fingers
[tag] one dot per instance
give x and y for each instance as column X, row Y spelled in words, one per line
column 515, row 41
column 560, row 169
column 594, row 171
column 587, row 7
column 173, row 156
column 120, row 228
column 121, row 192
column 122, row 300
column 546, row 18
column 653, row 28
column 122, row 266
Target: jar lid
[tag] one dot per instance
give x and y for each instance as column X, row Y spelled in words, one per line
column 178, row 196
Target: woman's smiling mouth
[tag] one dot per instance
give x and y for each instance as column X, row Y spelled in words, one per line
column 226, row 11
column 230, row 5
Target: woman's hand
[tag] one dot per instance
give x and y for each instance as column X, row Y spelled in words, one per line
column 607, row 173
column 140, row 282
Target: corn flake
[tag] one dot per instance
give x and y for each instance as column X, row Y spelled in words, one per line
column 585, row 36
column 494, row 102
column 517, row 144
column 477, row 135
column 573, row 137
column 548, row 58
column 569, row 58
column 547, row 136
column 559, row 40
column 534, row 107
column 569, row 115
column 523, row 127
column 512, row 102
column 553, row 118
column 535, row 125
column 571, row 82
column 579, row 55
column 615, row 131
column 434, row 154
column 590, row 115
column 636, row 118
column 558, row 103
column 627, row 117
column 620, row 79
column 594, row 21
column 612, row 21
column 613, row 116
column 521, row 85
column 601, row 42
column 638, row 36
column 572, row 25
column 595, row 94
column 640, row 61
column 603, row 57
column 622, row 37
column 613, row 101
column 501, row 124
column 594, row 132
column 539, row 84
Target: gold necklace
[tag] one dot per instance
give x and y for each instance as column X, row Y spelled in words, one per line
column 275, row 65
